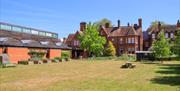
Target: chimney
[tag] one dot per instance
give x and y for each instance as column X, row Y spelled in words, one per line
column 128, row 24
column 119, row 23
column 178, row 24
column 82, row 26
column 107, row 25
column 64, row 40
column 140, row 22
column 159, row 26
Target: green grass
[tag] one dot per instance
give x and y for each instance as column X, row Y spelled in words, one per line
column 91, row 76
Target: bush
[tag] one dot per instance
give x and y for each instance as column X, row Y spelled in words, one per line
column 65, row 54
column 102, row 58
column 24, row 62
column 127, row 57
column 110, row 50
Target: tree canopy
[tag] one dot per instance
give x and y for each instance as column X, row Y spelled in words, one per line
column 110, row 50
column 103, row 22
column 177, row 44
column 160, row 46
column 154, row 24
column 91, row 40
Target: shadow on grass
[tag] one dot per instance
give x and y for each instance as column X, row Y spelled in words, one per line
column 171, row 75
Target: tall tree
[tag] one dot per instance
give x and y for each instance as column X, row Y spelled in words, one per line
column 177, row 44
column 91, row 40
column 160, row 46
column 103, row 22
column 154, row 24
column 110, row 50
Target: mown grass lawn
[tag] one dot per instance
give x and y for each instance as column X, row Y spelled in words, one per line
column 91, row 76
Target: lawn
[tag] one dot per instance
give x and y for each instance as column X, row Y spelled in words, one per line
column 91, row 76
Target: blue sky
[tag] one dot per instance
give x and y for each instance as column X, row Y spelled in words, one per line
column 64, row 16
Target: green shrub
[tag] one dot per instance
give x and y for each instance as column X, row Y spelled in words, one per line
column 65, row 54
column 127, row 57
column 110, row 50
column 24, row 62
column 57, row 58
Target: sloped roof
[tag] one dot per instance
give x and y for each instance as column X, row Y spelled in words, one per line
column 70, row 37
column 121, row 31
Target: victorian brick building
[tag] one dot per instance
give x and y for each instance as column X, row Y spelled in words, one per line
column 126, row 39
column 17, row 41
column 151, row 33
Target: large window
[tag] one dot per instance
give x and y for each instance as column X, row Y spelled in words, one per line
column 55, row 36
column 133, row 40
column 42, row 33
column 25, row 30
column 17, row 29
column 129, row 40
column 166, row 35
column 34, row 32
column 49, row 34
column 172, row 35
column 5, row 27
column 153, row 36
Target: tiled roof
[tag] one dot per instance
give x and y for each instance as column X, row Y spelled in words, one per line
column 121, row 31
column 70, row 37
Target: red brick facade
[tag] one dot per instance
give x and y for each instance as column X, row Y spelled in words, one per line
column 1, row 50
column 17, row 54
column 54, row 53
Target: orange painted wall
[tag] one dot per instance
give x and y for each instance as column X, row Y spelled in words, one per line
column 54, row 53
column 1, row 50
column 17, row 54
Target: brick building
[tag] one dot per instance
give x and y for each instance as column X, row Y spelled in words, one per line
column 17, row 41
column 126, row 39
column 151, row 33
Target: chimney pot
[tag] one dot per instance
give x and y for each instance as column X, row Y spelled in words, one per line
column 119, row 23
column 82, row 26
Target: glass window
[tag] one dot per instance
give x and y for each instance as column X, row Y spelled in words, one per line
column 49, row 34
column 42, row 33
column 153, row 36
column 17, row 29
column 5, row 27
column 172, row 35
column 44, row 42
column 26, row 41
column 166, row 35
column 132, row 40
column 121, row 40
column 34, row 32
column 129, row 40
column 55, row 36
column 25, row 30
column 59, row 44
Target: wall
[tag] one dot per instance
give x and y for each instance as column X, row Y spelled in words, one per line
column 1, row 50
column 54, row 53
column 17, row 54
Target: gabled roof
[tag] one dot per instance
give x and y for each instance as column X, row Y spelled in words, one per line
column 120, row 31
column 70, row 37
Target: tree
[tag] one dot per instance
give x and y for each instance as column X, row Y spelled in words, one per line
column 91, row 41
column 177, row 44
column 160, row 47
column 110, row 49
column 154, row 24
column 103, row 22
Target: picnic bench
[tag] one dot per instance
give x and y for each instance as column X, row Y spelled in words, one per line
column 5, row 62
column 128, row 65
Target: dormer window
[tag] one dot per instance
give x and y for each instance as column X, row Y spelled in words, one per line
column 166, row 35
column 153, row 36
column 44, row 42
column 26, row 41
column 172, row 35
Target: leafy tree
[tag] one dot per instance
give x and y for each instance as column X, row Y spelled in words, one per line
column 91, row 40
column 160, row 47
column 154, row 24
column 110, row 49
column 103, row 22
column 177, row 44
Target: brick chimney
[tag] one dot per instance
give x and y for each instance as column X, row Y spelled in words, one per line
column 107, row 25
column 119, row 23
column 159, row 26
column 82, row 26
column 178, row 24
column 128, row 24
column 140, row 22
